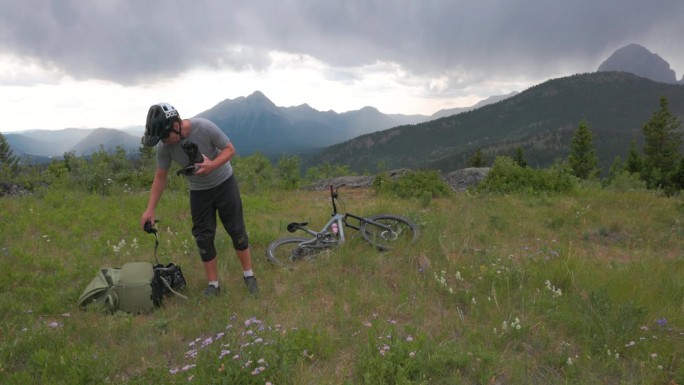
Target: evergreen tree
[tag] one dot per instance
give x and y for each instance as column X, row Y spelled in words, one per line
column 9, row 163
column 477, row 160
column 70, row 161
column 582, row 158
column 519, row 157
column 147, row 155
column 634, row 162
column 661, row 148
column 615, row 168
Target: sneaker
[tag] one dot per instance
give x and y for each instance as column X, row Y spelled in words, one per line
column 212, row 291
column 251, row 283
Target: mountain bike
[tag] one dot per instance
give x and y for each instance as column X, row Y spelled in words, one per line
column 384, row 231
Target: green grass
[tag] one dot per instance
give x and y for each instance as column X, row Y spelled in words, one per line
column 581, row 288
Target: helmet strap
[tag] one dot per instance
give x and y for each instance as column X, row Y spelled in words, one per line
column 180, row 129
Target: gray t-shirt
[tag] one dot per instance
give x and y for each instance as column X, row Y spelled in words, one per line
column 210, row 140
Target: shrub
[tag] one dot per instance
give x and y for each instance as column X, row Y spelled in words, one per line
column 626, row 181
column 506, row 176
column 414, row 184
column 288, row 173
column 254, row 172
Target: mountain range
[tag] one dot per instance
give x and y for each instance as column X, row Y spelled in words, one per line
column 253, row 122
column 540, row 120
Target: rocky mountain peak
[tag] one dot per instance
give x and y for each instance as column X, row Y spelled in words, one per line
column 636, row 59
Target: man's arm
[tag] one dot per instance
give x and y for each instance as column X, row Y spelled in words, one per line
column 210, row 165
column 158, row 185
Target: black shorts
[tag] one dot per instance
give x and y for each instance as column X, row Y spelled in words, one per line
column 225, row 201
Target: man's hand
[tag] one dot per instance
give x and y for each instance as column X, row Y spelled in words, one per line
column 150, row 227
column 147, row 218
column 205, row 167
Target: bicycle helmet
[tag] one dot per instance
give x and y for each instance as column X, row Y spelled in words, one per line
column 160, row 118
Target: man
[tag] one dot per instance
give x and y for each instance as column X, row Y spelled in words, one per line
column 213, row 188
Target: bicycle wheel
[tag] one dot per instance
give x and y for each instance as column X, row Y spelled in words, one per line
column 287, row 252
column 402, row 231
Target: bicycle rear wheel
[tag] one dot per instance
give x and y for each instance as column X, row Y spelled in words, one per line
column 402, row 231
column 287, row 252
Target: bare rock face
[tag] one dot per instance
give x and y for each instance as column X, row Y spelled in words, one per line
column 354, row 181
column 12, row 190
column 462, row 179
column 348, row 181
column 458, row 180
column 639, row 61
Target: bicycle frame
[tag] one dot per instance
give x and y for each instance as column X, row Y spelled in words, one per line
column 326, row 237
column 380, row 230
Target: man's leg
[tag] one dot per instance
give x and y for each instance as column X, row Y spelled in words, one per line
column 211, row 269
column 230, row 211
column 204, row 230
column 245, row 257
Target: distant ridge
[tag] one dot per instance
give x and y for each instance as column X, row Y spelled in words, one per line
column 541, row 120
column 482, row 103
column 108, row 139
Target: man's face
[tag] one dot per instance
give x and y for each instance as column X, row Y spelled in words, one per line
column 173, row 136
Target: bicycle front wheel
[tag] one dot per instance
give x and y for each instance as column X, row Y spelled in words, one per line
column 287, row 252
column 399, row 231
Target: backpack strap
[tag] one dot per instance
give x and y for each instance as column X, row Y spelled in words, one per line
column 168, row 286
column 112, row 301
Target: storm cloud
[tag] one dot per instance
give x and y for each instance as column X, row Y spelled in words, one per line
column 144, row 41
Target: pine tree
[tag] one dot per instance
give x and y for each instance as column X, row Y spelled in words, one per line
column 519, row 157
column 634, row 162
column 147, row 156
column 477, row 160
column 661, row 148
column 582, row 158
column 615, row 168
column 9, row 163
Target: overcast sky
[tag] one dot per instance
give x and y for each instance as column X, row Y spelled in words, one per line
column 102, row 63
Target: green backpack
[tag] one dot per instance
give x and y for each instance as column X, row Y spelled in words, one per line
column 136, row 287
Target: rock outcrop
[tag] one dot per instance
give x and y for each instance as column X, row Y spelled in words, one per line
column 458, row 180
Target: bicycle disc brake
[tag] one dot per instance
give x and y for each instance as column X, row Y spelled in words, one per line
column 389, row 235
column 302, row 253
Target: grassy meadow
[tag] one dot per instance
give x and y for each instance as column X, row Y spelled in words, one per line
column 575, row 288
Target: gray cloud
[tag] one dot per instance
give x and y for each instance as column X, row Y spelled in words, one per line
column 142, row 41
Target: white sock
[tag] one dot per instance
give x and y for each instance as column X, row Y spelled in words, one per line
column 248, row 273
column 214, row 283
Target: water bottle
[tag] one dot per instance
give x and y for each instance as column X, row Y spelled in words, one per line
column 334, row 228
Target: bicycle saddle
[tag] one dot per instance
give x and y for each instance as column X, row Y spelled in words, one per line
column 294, row 226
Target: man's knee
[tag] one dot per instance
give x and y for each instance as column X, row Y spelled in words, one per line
column 206, row 248
column 240, row 241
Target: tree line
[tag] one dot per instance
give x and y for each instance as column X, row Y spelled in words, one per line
column 659, row 165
